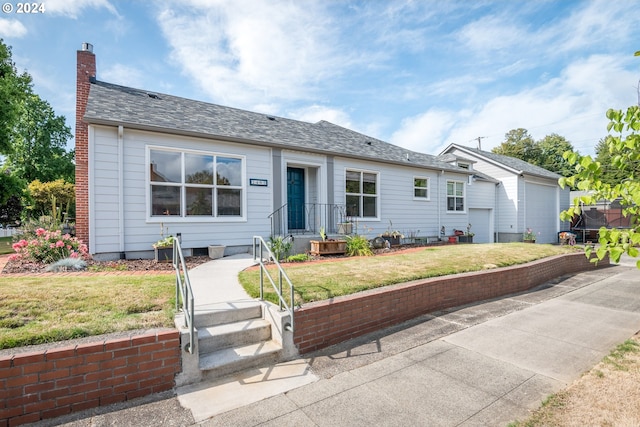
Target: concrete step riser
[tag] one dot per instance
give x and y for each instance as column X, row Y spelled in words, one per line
column 209, row 343
column 212, row 318
column 240, row 365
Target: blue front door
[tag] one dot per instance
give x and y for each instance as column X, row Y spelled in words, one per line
column 295, row 198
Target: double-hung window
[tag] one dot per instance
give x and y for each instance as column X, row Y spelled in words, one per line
column 361, row 189
column 195, row 184
column 455, row 196
column 421, row 188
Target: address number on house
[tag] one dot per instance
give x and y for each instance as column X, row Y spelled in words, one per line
column 258, row 182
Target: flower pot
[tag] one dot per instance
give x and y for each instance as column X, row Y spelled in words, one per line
column 328, row 247
column 453, row 239
column 163, row 254
column 216, row 251
column 529, row 240
column 345, row 228
column 393, row 240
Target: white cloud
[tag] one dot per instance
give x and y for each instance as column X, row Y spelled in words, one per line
column 12, row 28
column 123, row 75
column 73, row 8
column 249, row 53
column 572, row 105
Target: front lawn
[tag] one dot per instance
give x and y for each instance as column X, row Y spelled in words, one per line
column 5, row 245
column 37, row 310
column 316, row 281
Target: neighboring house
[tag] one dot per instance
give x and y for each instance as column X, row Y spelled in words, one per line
column 527, row 196
column 148, row 163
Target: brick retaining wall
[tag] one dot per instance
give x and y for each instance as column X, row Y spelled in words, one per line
column 324, row 323
column 54, row 382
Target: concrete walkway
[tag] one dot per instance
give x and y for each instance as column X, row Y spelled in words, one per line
column 481, row 365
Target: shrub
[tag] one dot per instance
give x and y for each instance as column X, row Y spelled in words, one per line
column 358, row 245
column 280, row 246
column 48, row 247
column 299, row 258
column 68, row 264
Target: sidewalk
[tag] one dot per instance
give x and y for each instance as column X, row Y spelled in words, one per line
column 484, row 364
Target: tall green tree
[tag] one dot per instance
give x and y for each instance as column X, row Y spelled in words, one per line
column 13, row 89
column 623, row 147
column 39, row 144
column 519, row 144
column 611, row 174
column 552, row 148
column 546, row 153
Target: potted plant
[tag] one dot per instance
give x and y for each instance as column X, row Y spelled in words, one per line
column 163, row 249
column 466, row 237
column 327, row 246
column 529, row 236
column 392, row 236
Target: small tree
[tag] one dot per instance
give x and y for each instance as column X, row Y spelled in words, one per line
column 624, row 150
column 51, row 198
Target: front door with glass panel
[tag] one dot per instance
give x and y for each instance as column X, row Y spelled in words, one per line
column 295, row 198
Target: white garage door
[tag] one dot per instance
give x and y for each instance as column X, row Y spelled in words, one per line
column 541, row 212
column 480, row 220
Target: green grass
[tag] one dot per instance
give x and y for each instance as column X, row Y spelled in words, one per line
column 5, row 245
column 328, row 279
column 37, row 310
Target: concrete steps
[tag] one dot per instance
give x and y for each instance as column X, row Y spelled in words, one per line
column 234, row 338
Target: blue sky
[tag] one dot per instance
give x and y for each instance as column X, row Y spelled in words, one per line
column 419, row 74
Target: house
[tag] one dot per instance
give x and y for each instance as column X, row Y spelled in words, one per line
column 527, row 196
column 149, row 164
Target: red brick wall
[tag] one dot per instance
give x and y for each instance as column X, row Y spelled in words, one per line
column 86, row 69
column 324, row 323
column 58, row 381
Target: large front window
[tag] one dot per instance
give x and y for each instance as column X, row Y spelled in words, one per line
column 183, row 184
column 455, row 196
column 361, row 194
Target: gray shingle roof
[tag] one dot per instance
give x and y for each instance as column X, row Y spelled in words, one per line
column 112, row 104
column 519, row 165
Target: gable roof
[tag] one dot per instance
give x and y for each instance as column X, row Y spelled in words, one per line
column 110, row 104
column 511, row 163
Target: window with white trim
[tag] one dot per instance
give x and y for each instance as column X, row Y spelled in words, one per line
column 455, row 196
column 182, row 184
column 361, row 189
column 421, row 188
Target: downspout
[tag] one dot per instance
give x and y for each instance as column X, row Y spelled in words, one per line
column 121, row 191
column 439, row 207
column 496, row 219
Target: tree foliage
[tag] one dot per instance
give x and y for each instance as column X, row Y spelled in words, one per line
column 546, row 153
column 51, row 198
column 13, row 89
column 39, row 144
column 519, row 144
column 623, row 148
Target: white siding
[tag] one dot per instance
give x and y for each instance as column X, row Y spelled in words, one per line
column 105, row 214
column 140, row 231
column 397, row 207
column 507, row 207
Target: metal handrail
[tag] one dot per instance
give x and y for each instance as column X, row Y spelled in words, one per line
column 259, row 249
column 184, row 292
column 313, row 216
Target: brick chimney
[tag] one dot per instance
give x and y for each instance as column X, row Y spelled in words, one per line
column 86, row 73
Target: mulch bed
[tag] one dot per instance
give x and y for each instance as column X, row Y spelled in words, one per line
column 14, row 267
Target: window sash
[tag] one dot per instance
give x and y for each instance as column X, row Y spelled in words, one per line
column 421, row 187
column 361, row 194
column 182, row 185
column 455, row 196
